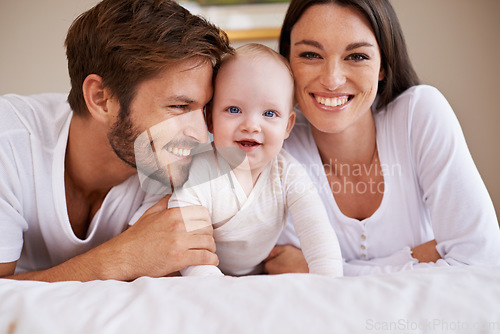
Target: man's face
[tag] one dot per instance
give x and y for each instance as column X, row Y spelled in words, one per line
column 165, row 122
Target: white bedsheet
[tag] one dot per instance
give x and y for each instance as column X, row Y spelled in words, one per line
column 437, row 300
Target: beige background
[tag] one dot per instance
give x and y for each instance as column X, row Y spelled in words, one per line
column 454, row 46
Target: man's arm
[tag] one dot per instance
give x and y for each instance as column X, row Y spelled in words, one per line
column 157, row 245
column 7, row 269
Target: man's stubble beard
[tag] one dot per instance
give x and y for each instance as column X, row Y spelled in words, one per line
column 123, row 139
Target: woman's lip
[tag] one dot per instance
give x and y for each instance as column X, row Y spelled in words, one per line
column 336, row 97
column 330, row 95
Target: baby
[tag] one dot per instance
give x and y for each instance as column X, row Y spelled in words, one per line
column 248, row 182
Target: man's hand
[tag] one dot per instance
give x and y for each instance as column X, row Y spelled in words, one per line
column 285, row 259
column 426, row 252
column 162, row 242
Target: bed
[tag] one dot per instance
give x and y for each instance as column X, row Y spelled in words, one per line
column 430, row 300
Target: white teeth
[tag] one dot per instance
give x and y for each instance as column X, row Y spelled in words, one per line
column 332, row 102
column 180, row 152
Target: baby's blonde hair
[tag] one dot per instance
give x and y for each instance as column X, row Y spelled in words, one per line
column 256, row 50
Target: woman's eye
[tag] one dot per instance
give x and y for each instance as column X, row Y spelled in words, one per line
column 270, row 113
column 358, row 57
column 233, row 110
column 309, row 55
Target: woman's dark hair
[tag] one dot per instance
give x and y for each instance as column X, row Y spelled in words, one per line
column 399, row 72
column 129, row 41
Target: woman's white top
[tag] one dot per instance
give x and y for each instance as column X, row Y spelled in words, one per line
column 432, row 190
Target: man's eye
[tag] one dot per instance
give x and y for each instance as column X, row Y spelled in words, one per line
column 270, row 113
column 179, row 106
column 233, row 110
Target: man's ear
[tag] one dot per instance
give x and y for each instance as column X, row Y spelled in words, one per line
column 291, row 123
column 97, row 98
column 208, row 117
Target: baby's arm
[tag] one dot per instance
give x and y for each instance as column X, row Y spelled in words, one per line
column 186, row 197
column 317, row 238
column 196, row 191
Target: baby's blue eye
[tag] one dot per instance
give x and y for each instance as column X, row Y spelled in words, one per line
column 234, row 110
column 270, row 113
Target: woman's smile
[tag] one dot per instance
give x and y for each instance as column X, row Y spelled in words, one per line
column 331, row 102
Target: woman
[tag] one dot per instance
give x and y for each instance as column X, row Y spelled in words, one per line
column 388, row 155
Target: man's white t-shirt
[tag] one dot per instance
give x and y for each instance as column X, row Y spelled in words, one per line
column 34, row 224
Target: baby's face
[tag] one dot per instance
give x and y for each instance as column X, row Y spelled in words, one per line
column 252, row 108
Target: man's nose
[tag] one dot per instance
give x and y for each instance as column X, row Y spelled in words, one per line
column 195, row 126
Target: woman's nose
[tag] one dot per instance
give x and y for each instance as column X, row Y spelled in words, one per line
column 333, row 75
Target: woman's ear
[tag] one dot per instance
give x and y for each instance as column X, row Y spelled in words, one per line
column 97, row 98
column 381, row 74
column 291, row 123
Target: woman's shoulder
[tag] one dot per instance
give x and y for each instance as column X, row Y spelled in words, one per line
column 420, row 98
column 419, row 90
column 421, row 103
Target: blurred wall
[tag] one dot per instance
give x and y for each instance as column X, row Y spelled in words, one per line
column 454, row 46
column 32, row 54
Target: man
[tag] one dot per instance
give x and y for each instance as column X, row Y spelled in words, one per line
column 68, row 173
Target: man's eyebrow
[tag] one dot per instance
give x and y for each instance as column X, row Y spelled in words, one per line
column 310, row 43
column 180, row 99
column 356, row 45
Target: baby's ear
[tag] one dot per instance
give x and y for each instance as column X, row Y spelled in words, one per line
column 291, row 123
column 208, row 117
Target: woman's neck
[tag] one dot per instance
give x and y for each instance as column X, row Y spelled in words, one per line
column 354, row 145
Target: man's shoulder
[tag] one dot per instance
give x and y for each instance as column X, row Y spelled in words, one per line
column 35, row 114
column 23, row 103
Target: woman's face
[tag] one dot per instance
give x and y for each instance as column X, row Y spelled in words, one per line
column 336, row 63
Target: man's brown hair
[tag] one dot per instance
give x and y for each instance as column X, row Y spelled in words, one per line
column 129, row 41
